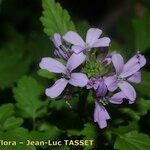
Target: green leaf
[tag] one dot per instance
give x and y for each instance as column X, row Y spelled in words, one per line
column 82, row 28
column 12, row 123
column 143, row 106
column 6, row 111
column 46, row 132
column 12, row 63
column 46, row 74
column 144, row 86
column 142, row 32
column 27, row 95
column 133, row 141
column 55, row 19
column 58, row 104
column 125, row 129
column 89, row 131
column 17, row 135
column 73, row 132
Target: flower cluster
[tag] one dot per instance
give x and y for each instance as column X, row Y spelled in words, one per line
column 88, row 64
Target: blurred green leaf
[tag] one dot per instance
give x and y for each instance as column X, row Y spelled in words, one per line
column 89, row 131
column 55, row 19
column 82, row 28
column 47, row 132
column 73, row 132
column 142, row 32
column 58, row 104
column 12, row 63
column 133, row 141
column 144, row 86
column 46, row 74
column 6, row 111
column 132, row 126
column 12, row 123
column 7, row 120
column 17, row 135
column 27, row 95
column 143, row 106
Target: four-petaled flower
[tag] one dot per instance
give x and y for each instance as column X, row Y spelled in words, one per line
column 125, row 73
column 75, row 79
column 92, row 40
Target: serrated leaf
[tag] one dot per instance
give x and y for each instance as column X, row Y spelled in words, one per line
column 133, row 141
column 142, row 32
column 55, row 19
column 27, row 95
column 12, row 123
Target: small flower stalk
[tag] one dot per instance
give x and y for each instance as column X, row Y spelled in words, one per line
column 88, row 64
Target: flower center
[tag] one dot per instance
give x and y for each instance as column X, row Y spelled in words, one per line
column 103, row 101
column 120, row 79
column 93, row 69
column 67, row 75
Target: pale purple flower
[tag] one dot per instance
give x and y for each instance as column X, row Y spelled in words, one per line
column 101, row 115
column 125, row 73
column 60, row 49
column 92, row 40
column 75, row 79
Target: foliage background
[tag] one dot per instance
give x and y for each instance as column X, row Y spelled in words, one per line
column 26, row 113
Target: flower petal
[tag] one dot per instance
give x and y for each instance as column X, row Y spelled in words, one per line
column 142, row 60
column 101, row 116
column 102, row 42
column 77, row 49
column 78, row 79
column 92, row 36
column 111, row 83
column 75, row 60
column 57, row 40
column 136, row 78
column 133, row 65
column 118, row 63
column 57, row 88
column 52, row 65
column 74, row 38
column 128, row 90
column 102, row 88
column 117, row 98
column 130, row 71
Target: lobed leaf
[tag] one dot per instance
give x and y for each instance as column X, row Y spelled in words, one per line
column 55, row 18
